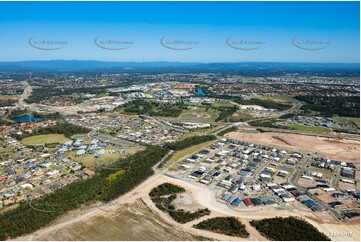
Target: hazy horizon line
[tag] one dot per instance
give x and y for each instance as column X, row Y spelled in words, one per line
column 188, row 62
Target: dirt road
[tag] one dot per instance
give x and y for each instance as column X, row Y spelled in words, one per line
column 26, row 93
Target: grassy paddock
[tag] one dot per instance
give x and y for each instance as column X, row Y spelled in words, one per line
column 278, row 99
column 187, row 152
column 44, row 139
column 356, row 121
column 311, row 129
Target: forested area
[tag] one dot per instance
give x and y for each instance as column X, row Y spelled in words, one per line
column 138, row 168
column 41, row 94
column 143, row 107
column 224, row 225
column 7, row 102
column 29, row 217
column 67, row 130
column 330, row 106
column 42, row 116
column 187, row 142
column 288, row 229
column 163, row 196
column 225, row 112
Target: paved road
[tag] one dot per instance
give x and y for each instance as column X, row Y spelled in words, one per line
column 299, row 171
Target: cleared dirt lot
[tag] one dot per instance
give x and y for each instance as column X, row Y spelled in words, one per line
column 128, row 222
column 338, row 149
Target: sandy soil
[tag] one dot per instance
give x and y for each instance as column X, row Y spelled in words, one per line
column 128, row 222
column 338, row 149
column 201, row 196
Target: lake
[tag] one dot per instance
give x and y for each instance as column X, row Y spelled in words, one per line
column 200, row 92
column 25, row 118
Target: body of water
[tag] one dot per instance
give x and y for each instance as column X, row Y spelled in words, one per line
column 200, row 92
column 78, row 136
column 25, row 118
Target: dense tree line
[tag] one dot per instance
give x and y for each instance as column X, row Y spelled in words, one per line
column 29, row 217
column 190, row 141
column 7, row 102
column 17, row 112
column 143, row 107
column 224, row 225
column 67, row 130
column 287, row 115
column 288, row 229
column 138, row 170
column 265, row 123
column 163, row 196
column 225, row 112
column 42, row 116
column 45, row 116
column 330, row 106
column 227, row 130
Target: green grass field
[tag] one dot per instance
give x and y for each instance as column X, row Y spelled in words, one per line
column 311, row 129
column 218, row 104
column 199, row 114
column 240, row 116
column 107, row 158
column 356, row 121
column 187, row 152
column 277, row 99
column 44, row 139
column 90, row 160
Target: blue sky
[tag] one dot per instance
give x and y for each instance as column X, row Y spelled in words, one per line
column 272, row 25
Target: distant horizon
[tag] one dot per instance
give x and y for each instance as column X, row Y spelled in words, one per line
column 187, row 62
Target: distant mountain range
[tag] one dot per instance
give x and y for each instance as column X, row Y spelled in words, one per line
column 244, row 68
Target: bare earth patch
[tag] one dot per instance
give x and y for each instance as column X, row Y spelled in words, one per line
column 128, row 222
column 338, row 149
